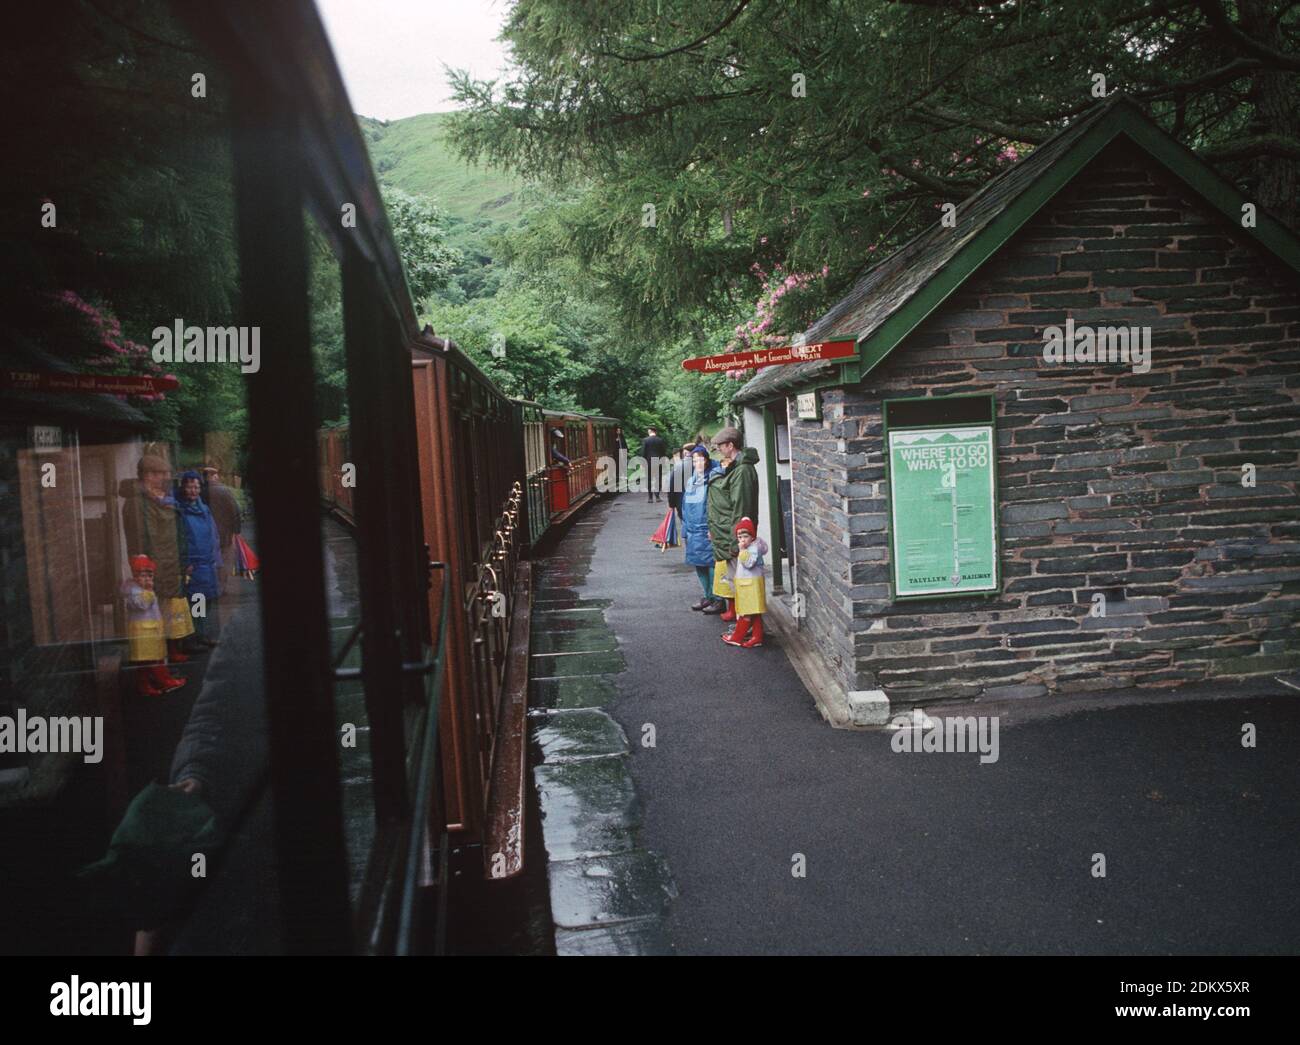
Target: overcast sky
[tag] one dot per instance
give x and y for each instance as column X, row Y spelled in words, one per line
column 392, row 51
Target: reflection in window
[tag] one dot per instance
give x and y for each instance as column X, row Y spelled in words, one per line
column 128, row 591
column 338, row 490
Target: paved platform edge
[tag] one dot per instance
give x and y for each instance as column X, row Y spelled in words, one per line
column 610, row 896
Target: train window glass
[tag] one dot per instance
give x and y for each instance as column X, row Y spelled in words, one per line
column 134, row 811
column 340, row 478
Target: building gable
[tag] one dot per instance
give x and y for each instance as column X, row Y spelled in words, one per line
column 898, row 294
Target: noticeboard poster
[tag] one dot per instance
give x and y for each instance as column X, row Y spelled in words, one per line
column 943, row 511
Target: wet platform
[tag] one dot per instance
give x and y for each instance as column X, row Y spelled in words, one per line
column 692, row 845
column 608, row 892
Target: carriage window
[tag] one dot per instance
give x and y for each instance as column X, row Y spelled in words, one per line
column 133, row 749
column 338, row 484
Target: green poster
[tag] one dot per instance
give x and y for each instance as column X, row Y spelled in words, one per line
column 943, row 518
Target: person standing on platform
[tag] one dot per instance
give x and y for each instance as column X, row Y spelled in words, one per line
column 653, row 451
column 678, row 478
column 202, row 556
column 620, row 469
column 695, row 522
column 751, row 591
column 153, row 527
column 225, row 510
column 732, row 496
column 146, row 634
column 223, row 504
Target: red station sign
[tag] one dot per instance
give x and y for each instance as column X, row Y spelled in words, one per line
column 110, row 384
column 761, row 357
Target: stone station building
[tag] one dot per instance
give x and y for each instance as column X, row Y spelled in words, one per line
column 1168, row 490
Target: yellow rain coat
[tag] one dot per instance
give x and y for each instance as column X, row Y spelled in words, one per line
column 179, row 622
column 146, row 640
column 751, row 579
column 722, row 586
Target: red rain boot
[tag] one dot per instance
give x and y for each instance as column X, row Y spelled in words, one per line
column 736, row 636
column 731, row 611
column 756, row 637
column 145, row 685
column 165, row 680
column 174, row 653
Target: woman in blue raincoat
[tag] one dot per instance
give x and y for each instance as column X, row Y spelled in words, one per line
column 202, row 556
column 695, row 521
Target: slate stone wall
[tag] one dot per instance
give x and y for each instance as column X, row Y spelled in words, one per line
column 1111, row 481
column 824, row 541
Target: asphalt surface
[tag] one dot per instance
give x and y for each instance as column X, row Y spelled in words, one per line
column 931, row 852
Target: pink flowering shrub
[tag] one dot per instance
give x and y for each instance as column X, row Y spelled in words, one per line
column 99, row 334
column 760, row 330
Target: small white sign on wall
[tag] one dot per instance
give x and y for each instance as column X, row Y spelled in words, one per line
column 47, row 439
column 808, row 406
column 782, row 444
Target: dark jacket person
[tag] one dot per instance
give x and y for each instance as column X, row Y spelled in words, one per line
column 680, row 475
column 732, row 496
column 153, row 527
column 225, row 508
column 654, row 450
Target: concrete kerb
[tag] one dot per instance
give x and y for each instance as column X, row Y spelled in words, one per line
column 866, row 709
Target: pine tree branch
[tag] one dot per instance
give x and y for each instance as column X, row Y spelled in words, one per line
column 659, row 110
column 678, row 50
column 949, row 118
column 939, row 186
column 1224, row 74
column 1214, row 11
column 1251, row 148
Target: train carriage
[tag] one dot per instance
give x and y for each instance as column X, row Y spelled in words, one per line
column 537, row 460
column 572, row 446
column 471, row 486
column 333, row 451
column 605, row 449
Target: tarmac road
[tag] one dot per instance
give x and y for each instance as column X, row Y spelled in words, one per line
column 936, row 852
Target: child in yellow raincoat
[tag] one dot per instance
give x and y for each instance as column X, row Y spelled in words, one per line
column 145, row 632
column 750, row 583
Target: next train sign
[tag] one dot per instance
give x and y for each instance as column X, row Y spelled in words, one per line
column 761, row 357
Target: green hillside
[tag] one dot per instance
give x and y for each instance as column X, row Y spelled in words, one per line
column 412, row 154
